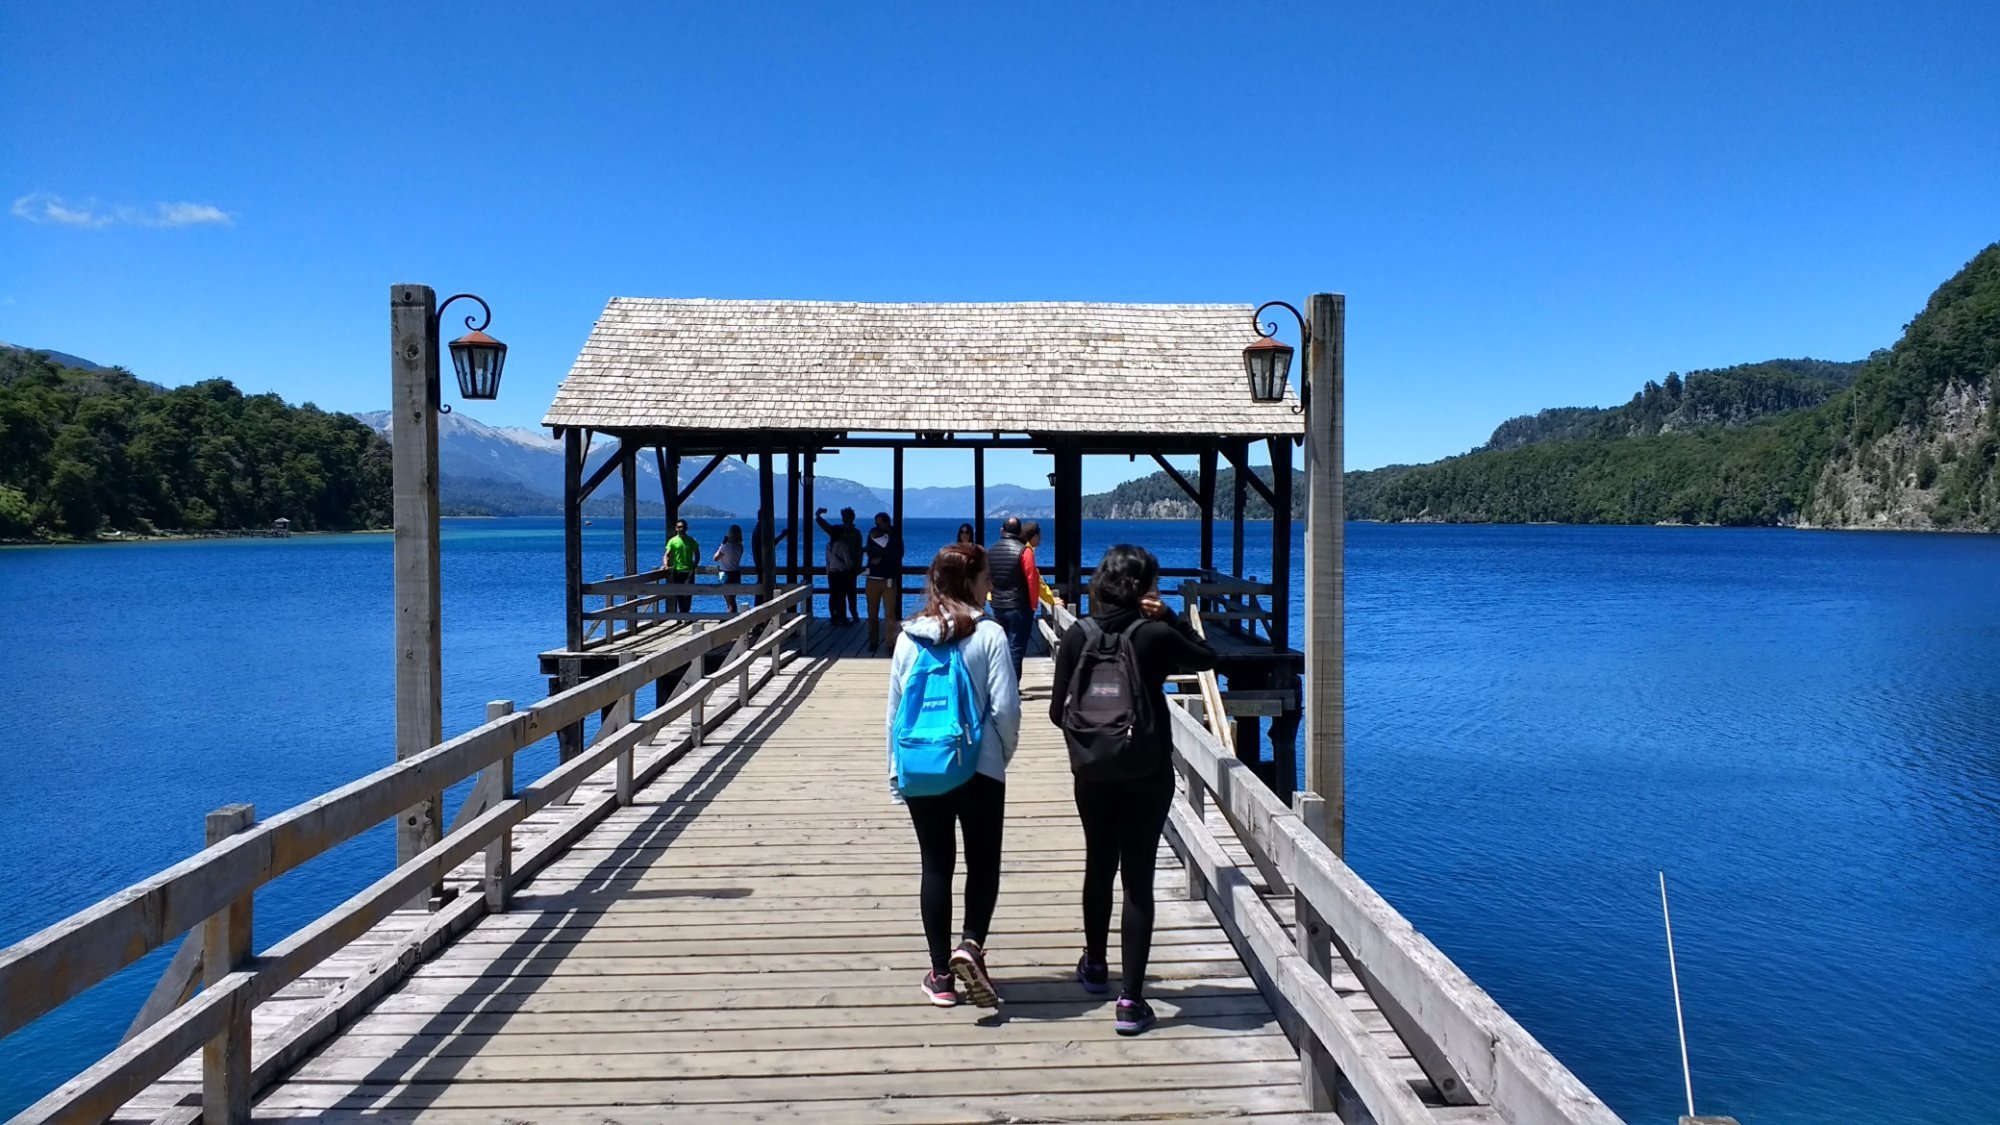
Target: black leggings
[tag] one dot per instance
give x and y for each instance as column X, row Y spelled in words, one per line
column 1122, row 821
column 980, row 806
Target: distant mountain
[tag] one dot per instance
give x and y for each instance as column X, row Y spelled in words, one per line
column 509, row 471
column 955, row 503
column 60, row 359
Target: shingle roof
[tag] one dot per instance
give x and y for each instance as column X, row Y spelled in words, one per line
column 1029, row 367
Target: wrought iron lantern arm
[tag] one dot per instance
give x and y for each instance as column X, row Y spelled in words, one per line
column 476, row 336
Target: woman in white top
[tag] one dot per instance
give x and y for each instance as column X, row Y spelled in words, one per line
column 728, row 561
column 955, row 591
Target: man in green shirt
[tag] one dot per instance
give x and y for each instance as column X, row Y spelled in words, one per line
column 682, row 556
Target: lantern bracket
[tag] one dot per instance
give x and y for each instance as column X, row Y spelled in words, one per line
column 437, row 394
column 1269, row 328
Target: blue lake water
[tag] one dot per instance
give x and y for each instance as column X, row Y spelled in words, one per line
column 1800, row 728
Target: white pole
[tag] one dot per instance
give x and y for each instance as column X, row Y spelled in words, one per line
column 1680, row 1023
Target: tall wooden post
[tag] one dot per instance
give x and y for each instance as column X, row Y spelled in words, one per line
column 573, row 447
column 225, row 943
column 1284, row 728
column 1241, row 500
column 894, row 612
column 807, row 524
column 767, row 484
column 1206, row 486
column 1326, row 566
column 413, row 364
column 979, row 495
column 1069, row 522
column 791, row 519
column 628, row 476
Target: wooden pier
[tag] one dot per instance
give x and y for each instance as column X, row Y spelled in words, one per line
column 725, row 927
column 708, row 909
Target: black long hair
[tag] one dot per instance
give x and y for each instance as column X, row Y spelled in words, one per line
column 1125, row 575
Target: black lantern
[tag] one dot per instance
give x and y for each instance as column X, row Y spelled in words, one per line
column 478, row 358
column 1268, row 362
column 475, row 356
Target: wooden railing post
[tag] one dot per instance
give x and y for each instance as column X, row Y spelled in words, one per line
column 498, row 779
column 1197, row 799
column 225, row 937
column 622, row 714
column 1318, row 1077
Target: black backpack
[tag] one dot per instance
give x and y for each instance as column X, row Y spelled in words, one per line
column 1107, row 719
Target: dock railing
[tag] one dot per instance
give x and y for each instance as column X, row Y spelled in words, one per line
column 209, row 895
column 1471, row 1050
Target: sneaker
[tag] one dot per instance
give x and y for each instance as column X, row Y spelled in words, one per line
column 1134, row 1016
column 1094, row 976
column 968, row 964
column 941, row 990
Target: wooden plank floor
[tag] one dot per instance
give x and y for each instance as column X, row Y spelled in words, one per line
column 743, row 944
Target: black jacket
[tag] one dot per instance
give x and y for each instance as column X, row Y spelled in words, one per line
column 884, row 561
column 1163, row 647
column 1010, row 582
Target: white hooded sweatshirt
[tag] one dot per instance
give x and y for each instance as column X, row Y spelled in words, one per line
column 990, row 666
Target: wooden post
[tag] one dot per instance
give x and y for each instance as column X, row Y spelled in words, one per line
column 1326, row 569
column 767, row 484
column 622, row 714
column 670, row 476
column 1197, row 799
column 413, row 364
column 225, row 941
column 1284, row 728
column 573, row 448
column 1242, row 500
column 791, row 518
column 979, row 494
column 1318, row 1076
column 628, row 475
column 894, row 610
column 807, row 526
column 1069, row 522
column 1206, row 486
column 499, row 853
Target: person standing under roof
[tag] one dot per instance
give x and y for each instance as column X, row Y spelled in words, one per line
column 1013, row 602
column 883, row 549
column 679, row 560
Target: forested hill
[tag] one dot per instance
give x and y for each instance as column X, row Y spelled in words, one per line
column 1730, row 396
column 1908, row 438
column 1911, row 443
column 84, row 451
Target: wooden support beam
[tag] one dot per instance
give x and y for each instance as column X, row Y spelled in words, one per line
column 893, row 612
column 807, row 525
column 791, row 519
column 979, row 495
column 498, row 780
column 670, row 481
column 1205, row 498
column 572, row 540
column 174, row 987
column 660, row 466
column 1174, row 474
column 1326, row 567
column 628, row 476
column 603, row 473
column 767, row 503
column 687, row 493
column 419, row 681
column 225, row 943
column 1241, row 501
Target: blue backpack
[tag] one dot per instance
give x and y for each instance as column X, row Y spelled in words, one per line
column 937, row 727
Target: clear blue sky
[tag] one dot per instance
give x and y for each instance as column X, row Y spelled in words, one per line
column 1527, row 205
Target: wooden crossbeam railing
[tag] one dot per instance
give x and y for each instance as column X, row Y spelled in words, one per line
column 1472, row 1050
column 49, row 968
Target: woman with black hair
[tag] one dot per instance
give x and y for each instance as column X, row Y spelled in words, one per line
column 966, row 535
column 1124, row 815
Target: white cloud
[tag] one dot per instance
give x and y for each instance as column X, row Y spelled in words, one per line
column 44, row 207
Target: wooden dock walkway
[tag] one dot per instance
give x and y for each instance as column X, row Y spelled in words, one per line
column 711, row 914
column 743, row 942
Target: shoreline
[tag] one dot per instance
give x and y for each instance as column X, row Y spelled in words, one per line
column 103, row 540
